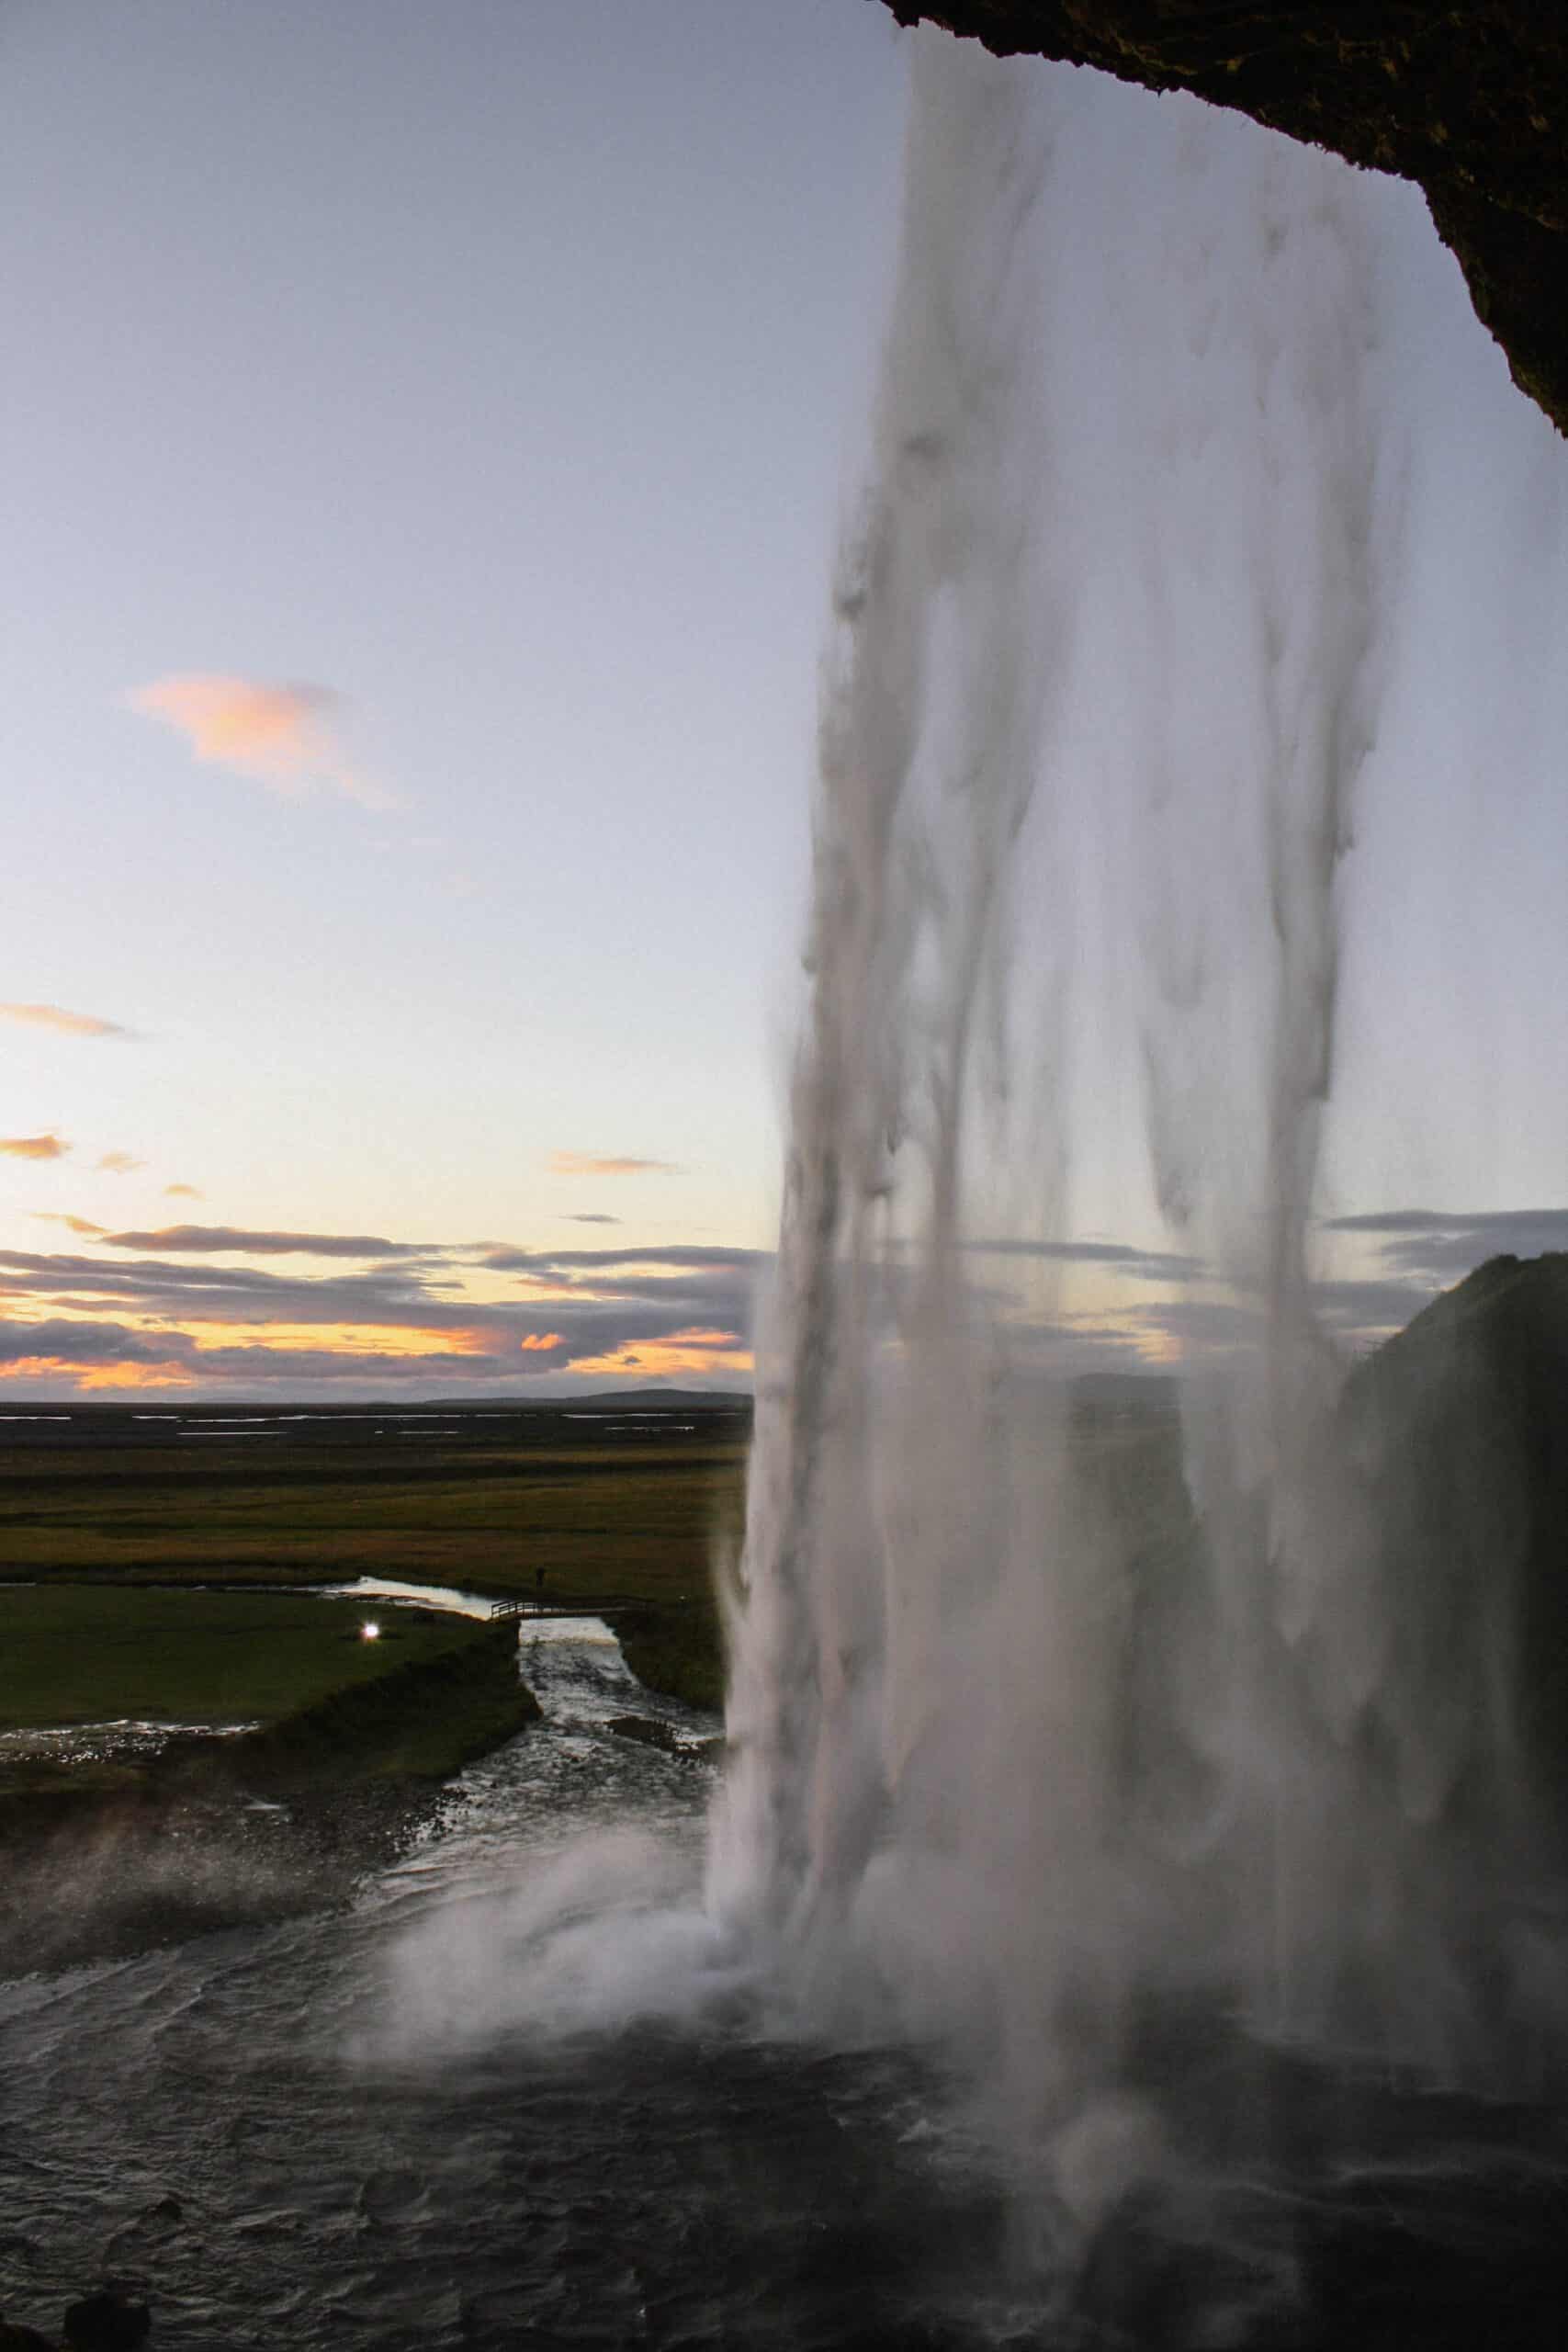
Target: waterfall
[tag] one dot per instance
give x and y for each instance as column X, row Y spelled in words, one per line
column 1112, row 635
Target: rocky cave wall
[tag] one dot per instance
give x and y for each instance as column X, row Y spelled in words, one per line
column 1470, row 102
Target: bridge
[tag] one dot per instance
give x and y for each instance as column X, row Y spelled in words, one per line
column 569, row 1605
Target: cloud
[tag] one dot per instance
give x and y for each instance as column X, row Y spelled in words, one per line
column 69, row 1343
column 703, row 1341
column 371, row 1324
column 587, row 1163
column 47, row 1146
column 75, row 1224
column 1140, row 1265
column 1364, row 1308
column 1072, row 1347
column 678, row 1256
column 229, row 1294
column 183, row 1192
column 591, row 1217
column 713, row 1283
column 197, row 1306
column 280, row 735
column 219, row 1237
column 1439, row 1246
column 120, row 1163
column 1203, row 1323
column 69, row 1025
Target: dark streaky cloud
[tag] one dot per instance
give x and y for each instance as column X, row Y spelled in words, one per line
column 1440, row 1246
column 244, row 1239
column 1145, row 1265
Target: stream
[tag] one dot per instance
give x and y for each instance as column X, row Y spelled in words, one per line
column 470, row 2111
column 520, row 2094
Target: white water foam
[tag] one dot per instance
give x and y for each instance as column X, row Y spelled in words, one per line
column 1018, row 1769
column 1114, row 637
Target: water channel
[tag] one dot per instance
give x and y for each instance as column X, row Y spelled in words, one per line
column 519, row 2094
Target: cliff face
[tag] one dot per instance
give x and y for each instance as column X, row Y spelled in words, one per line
column 1460, row 1425
column 1470, row 102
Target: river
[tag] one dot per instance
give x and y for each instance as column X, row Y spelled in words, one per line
column 435, row 2120
column 519, row 2094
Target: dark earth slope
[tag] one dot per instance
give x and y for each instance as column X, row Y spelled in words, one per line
column 1461, row 1422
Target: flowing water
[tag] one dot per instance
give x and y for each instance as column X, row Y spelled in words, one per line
column 1123, row 632
column 525, row 2093
column 519, row 2094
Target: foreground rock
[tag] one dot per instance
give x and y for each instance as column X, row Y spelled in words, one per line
column 1470, row 102
column 16, row 2339
column 110, row 2321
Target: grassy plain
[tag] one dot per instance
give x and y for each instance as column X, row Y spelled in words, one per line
column 621, row 1515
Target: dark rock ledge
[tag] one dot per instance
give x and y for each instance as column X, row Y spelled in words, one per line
column 1470, row 102
column 111, row 2320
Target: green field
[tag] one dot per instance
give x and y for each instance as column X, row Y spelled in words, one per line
column 74, row 1654
column 531, row 1505
column 641, row 1523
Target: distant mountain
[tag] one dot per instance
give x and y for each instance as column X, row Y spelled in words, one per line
column 652, row 1399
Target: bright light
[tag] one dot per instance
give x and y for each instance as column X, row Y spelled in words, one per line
column 370, row 1630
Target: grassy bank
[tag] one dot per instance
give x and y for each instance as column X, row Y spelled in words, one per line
column 678, row 1650
column 423, row 1719
column 327, row 1707
column 120, row 1857
column 83, row 1654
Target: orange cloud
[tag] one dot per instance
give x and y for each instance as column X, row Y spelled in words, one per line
column 182, row 1193
column 587, row 1163
column 69, row 1025
column 116, row 1375
column 702, row 1353
column 74, row 1224
column 541, row 1341
column 47, row 1146
column 354, row 1339
column 280, row 735
column 120, row 1163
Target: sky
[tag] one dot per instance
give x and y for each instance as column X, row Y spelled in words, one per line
column 427, row 430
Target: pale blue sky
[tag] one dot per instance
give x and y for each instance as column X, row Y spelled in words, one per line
column 494, row 365
column 499, row 369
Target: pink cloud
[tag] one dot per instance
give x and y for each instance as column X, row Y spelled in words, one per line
column 587, row 1163
column 49, row 1147
column 281, row 735
column 69, row 1025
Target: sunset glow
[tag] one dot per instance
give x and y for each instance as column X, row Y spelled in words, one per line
column 418, row 840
